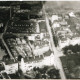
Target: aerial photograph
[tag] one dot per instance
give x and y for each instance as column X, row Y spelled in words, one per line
column 40, row 39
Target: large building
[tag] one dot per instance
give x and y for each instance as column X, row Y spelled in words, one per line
column 27, row 37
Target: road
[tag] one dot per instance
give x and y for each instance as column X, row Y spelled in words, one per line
column 4, row 41
column 54, row 49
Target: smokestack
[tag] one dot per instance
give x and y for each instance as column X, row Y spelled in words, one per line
column 23, row 66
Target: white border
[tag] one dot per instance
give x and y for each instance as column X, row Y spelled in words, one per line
column 40, row 0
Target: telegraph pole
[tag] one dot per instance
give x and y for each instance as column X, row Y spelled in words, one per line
column 10, row 12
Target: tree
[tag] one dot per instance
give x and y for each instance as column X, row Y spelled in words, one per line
column 19, row 58
column 6, row 57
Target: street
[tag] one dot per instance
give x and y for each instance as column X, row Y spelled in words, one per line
column 4, row 41
column 56, row 52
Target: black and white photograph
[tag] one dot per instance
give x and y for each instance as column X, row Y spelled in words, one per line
column 39, row 39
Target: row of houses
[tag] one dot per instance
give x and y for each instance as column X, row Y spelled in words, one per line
column 67, row 33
